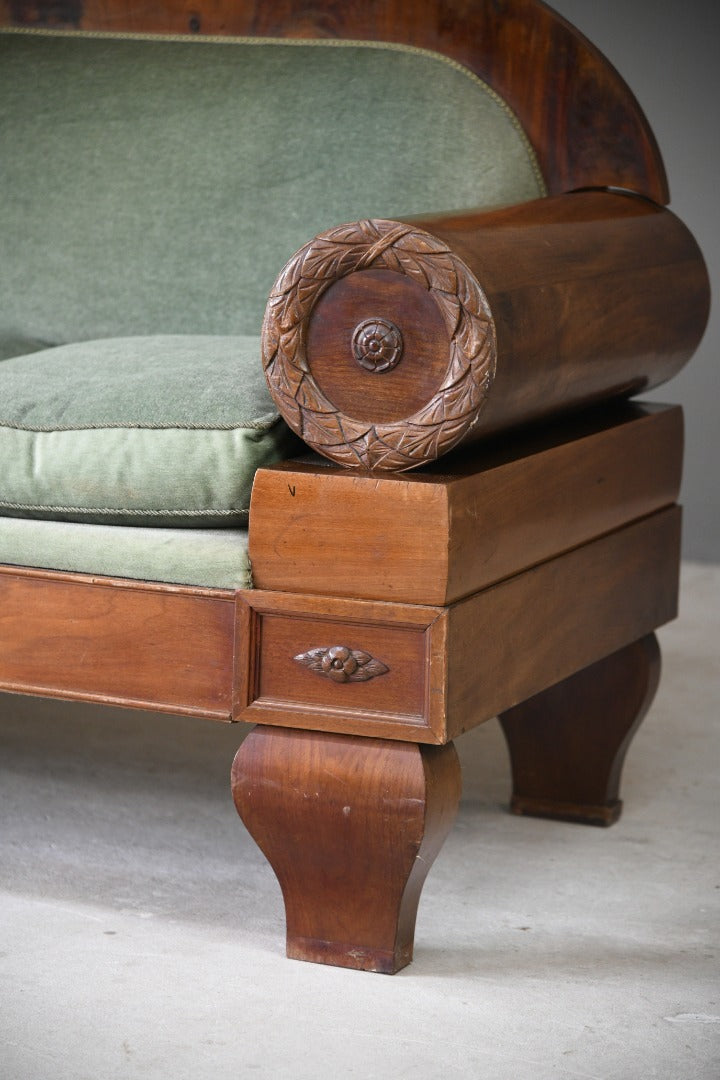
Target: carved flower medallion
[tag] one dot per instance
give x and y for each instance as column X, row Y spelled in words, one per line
column 377, row 345
column 472, row 351
column 341, row 664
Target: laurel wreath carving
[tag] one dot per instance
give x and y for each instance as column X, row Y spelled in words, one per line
column 342, row 664
column 453, row 410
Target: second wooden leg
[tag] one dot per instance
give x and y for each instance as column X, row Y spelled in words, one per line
column 567, row 744
column 351, row 827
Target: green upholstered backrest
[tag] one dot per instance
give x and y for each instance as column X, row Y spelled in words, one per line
column 159, row 185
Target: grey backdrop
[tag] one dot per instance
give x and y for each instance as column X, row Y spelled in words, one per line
column 667, row 50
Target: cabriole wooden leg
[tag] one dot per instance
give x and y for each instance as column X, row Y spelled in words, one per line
column 567, row 744
column 351, row 827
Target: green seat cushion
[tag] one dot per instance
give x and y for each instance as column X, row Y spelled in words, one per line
column 159, row 185
column 155, row 431
column 213, row 558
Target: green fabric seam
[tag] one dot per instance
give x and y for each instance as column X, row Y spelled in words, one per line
column 391, row 46
column 249, row 425
column 121, row 510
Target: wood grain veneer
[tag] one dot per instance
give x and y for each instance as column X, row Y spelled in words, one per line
column 586, row 126
column 117, row 642
column 472, row 519
column 524, row 635
column 593, row 295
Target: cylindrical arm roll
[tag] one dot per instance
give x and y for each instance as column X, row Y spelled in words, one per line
column 387, row 343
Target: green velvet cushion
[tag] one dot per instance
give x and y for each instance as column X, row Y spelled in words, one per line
column 215, row 558
column 164, row 430
column 158, row 186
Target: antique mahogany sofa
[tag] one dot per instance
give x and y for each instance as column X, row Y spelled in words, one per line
column 441, row 507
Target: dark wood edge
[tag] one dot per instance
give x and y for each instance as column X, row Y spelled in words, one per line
column 103, row 581
column 340, row 609
column 121, row 702
column 580, row 813
column 607, row 143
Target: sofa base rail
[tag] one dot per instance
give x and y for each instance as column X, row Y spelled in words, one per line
column 371, row 668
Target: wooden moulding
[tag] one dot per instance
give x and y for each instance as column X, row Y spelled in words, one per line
column 583, row 121
column 444, row 670
column 163, row 647
column 385, row 343
column 435, row 536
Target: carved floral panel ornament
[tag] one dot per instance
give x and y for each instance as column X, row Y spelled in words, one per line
column 453, row 409
column 341, row 664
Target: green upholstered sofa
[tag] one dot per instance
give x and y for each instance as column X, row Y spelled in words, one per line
column 152, row 188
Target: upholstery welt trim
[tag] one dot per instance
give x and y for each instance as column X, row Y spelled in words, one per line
column 111, row 476
column 334, row 43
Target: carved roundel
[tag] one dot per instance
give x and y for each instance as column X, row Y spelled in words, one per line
column 377, row 345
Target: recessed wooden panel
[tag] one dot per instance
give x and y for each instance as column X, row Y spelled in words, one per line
column 281, row 677
column 406, row 643
column 118, row 642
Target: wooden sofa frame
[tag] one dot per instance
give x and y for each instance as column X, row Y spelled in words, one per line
column 392, row 611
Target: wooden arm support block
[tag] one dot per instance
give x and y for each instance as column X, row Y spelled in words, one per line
column 469, row 521
column 443, row 670
column 385, row 343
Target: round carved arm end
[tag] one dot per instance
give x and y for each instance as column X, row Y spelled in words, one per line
column 378, row 345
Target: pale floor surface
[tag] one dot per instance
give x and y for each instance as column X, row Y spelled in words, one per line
column 141, row 931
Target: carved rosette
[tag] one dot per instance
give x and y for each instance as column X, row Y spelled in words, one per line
column 341, row 664
column 377, row 345
column 454, row 408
